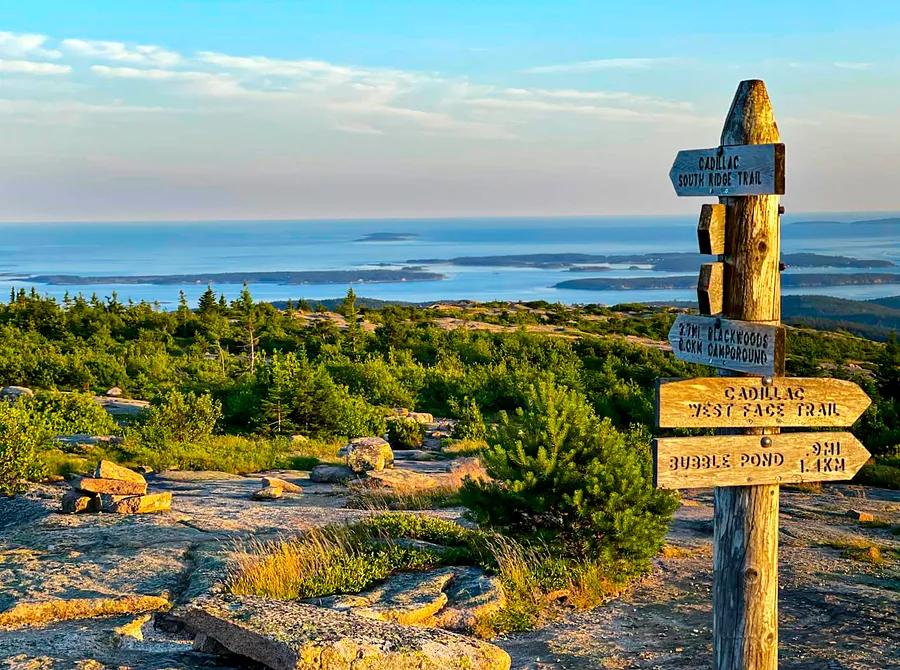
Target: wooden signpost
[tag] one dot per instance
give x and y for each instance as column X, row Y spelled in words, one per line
column 758, row 402
column 732, row 345
column 739, row 460
column 749, row 457
column 729, row 170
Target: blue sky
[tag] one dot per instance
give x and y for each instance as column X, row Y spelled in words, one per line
column 183, row 110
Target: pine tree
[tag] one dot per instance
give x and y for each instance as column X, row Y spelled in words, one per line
column 207, row 303
column 563, row 476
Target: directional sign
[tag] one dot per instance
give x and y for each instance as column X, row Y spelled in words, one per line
column 750, row 402
column 746, row 169
column 711, row 230
column 739, row 460
column 740, row 346
column 709, row 288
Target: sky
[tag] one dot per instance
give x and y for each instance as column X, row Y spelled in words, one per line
column 116, row 111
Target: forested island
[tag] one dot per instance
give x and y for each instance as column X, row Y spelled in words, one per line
column 661, row 262
column 788, row 280
column 285, row 277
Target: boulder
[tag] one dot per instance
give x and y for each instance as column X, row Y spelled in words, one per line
column 421, row 417
column 471, row 596
column 110, row 486
column 864, row 517
column 114, row 392
column 146, row 504
column 109, row 470
column 365, row 454
column 283, row 484
column 122, row 406
column 331, row 474
column 287, row 635
column 398, row 481
column 13, row 393
column 268, row 493
column 408, row 598
column 414, row 455
column 74, row 502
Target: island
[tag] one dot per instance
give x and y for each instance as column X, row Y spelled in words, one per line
column 659, row 262
column 811, row 280
column 284, row 277
column 387, row 237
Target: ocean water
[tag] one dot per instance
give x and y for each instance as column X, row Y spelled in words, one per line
column 160, row 248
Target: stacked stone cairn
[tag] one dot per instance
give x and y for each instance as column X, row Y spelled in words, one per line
column 114, row 489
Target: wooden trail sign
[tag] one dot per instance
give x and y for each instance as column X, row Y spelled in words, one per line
column 751, row 402
column 740, row 460
column 741, row 346
column 711, row 230
column 744, row 169
column 709, row 287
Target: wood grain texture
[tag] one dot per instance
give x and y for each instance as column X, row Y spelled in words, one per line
column 709, row 288
column 711, row 230
column 745, row 524
column 740, row 346
column 746, row 402
column 739, row 460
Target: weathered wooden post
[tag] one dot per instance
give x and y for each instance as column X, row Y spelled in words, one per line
column 741, row 334
column 745, row 528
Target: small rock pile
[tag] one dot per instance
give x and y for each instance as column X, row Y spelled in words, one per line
column 274, row 488
column 114, row 489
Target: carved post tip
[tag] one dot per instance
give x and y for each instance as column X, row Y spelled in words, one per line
column 751, row 119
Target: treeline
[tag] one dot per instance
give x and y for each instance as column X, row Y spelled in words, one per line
column 277, row 371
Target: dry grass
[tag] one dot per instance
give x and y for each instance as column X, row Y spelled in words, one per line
column 385, row 500
column 672, row 551
column 592, row 586
column 36, row 614
column 464, row 447
column 865, row 551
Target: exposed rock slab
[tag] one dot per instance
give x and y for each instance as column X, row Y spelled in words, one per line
column 398, row 481
column 147, row 504
column 470, row 595
column 110, row 486
column 408, row 598
column 75, row 502
column 414, row 455
column 110, row 470
column 294, row 636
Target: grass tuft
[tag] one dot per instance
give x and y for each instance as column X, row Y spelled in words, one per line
column 36, row 614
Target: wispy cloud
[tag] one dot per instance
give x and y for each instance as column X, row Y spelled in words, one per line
column 621, row 97
column 25, row 45
column 141, row 54
column 601, row 64
column 33, row 67
column 149, row 73
column 852, row 65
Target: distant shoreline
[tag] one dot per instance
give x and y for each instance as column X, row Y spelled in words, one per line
column 284, row 278
column 810, row 280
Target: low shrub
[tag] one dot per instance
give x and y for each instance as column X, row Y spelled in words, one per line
column 72, row 413
column 470, row 424
column 405, row 433
column 22, row 434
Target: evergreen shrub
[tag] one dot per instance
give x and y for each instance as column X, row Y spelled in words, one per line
column 563, row 476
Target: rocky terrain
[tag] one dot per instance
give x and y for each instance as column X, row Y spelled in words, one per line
column 839, row 580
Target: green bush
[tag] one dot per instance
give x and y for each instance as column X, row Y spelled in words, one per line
column 470, row 422
column 405, row 433
column 178, row 418
column 563, row 476
column 21, row 438
column 72, row 413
